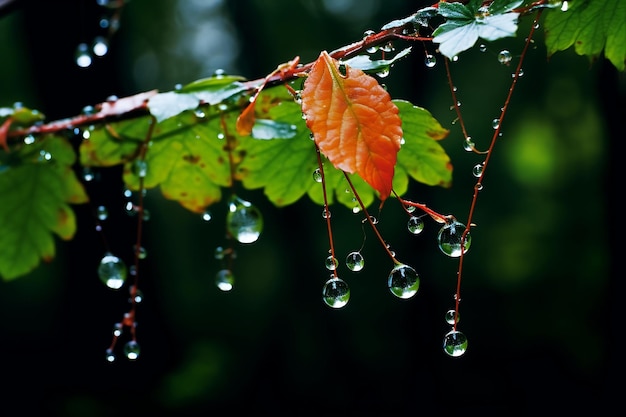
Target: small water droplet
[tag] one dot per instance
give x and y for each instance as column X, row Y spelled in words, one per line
column 336, row 293
column 468, row 144
column 449, row 239
column 135, row 295
column 495, row 123
column 454, row 343
column 100, row 46
column 415, row 225
column 410, row 209
column 88, row 174
column 132, row 350
column 331, row 263
column 110, row 356
column 326, row 213
column 224, row 279
column 430, row 61
column 207, row 216
column 450, row 317
column 29, row 140
column 117, row 329
column 355, row 261
column 504, row 57
column 243, row 221
column 140, row 252
column 140, row 168
column 477, row 171
column 383, row 73
column 221, row 136
column 112, row 271
column 317, row 175
column 482, row 47
column 82, row 55
column 44, row 156
column 102, row 213
column 403, row 281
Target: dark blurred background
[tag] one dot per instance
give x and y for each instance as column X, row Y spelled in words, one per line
column 541, row 290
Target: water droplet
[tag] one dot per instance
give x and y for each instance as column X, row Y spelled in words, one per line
column 482, row 47
column 477, row 171
column 410, row 209
column 430, row 61
column 243, row 221
column 102, row 213
column 112, row 271
column 388, row 47
column 356, row 209
column 224, row 279
column 454, row 343
column 415, row 225
column 449, row 239
column 130, row 208
column 455, row 58
column 82, row 55
column 504, row 57
column 117, row 329
column 326, row 213
column 88, row 174
column 44, row 156
column 100, row 46
column 331, row 263
column 132, row 350
column 450, row 315
column 317, row 175
column 336, row 293
column 110, row 355
column 29, row 140
column 383, row 73
column 355, row 261
column 140, row 252
column 403, row 281
column 207, row 216
column 495, row 123
column 136, row 295
column 468, row 144
column 140, row 168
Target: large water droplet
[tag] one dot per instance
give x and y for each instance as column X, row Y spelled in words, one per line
column 132, row 350
column 112, row 271
column 224, row 279
column 403, row 281
column 355, row 261
column 449, row 239
column 454, row 343
column 243, row 221
column 336, row 292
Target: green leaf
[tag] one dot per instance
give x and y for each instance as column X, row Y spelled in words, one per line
column 421, row 156
column 465, row 24
column 37, row 185
column 591, row 27
column 366, row 64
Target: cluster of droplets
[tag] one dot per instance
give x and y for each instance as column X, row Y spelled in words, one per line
column 108, row 23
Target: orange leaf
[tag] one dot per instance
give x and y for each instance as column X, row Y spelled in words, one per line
column 353, row 120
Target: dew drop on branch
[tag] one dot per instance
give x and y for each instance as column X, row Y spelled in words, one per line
column 403, row 281
column 504, row 57
column 331, row 263
column 454, row 343
column 450, row 317
column 132, row 350
column 415, row 225
column 82, row 56
column 355, row 261
column 449, row 239
column 336, row 292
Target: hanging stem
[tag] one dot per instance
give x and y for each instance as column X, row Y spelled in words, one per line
column 478, row 185
column 326, row 210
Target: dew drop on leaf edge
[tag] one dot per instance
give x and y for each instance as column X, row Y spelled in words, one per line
column 243, row 221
